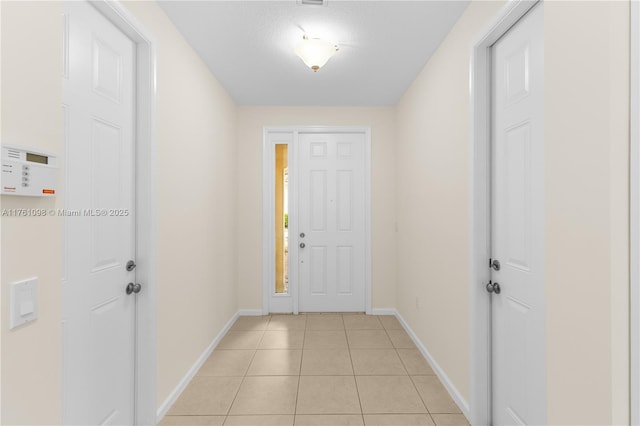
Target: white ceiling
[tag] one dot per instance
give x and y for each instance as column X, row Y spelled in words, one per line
column 248, row 45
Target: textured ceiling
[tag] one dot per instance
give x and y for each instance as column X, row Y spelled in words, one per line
column 248, row 45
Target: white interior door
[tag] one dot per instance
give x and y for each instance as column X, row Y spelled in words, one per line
column 331, row 196
column 518, row 335
column 98, row 314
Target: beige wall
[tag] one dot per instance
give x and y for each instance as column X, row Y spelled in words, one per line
column 432, row 199
column 196, row 219
column 251, row 121
column 587, row 184
column 31, row 115
column 586, row 181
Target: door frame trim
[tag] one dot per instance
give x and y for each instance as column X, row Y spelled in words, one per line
column 634, row 212
column 480, row 200
column 146, row 204
column 268, row 237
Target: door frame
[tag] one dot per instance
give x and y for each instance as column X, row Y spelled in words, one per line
column 146, row 205
column 634, row 215
column 268, row 208
column 480, row 399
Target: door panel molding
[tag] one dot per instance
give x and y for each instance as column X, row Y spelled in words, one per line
column 291, row 134
column 480, row 201
column 145, row 205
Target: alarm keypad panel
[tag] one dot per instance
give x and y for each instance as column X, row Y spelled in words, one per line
column 28, row 172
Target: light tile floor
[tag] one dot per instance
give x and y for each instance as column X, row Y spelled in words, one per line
column 315, row 369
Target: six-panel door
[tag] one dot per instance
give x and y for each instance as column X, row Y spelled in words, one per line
column 98, row 314
column 332, row 219
column 518, row 332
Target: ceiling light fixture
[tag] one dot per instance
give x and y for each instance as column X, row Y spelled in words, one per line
column 315, row 52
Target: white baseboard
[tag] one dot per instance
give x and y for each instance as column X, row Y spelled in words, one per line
column 453, row 391
column 173, row 396
column 250, row 312
column 383, row 311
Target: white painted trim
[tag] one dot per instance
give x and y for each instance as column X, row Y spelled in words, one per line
column 1, row 223
column 444, row 379
column 480, row 158
column 383, row 311
column 146, row 205
column 177, row 391
column 268, row 233
column 367, row 221
column 250, row 312
column 268, row 236
column 294, row 258
column 635, row 215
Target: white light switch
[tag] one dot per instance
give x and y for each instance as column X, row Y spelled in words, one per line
column 26, row 308
column 24, row 302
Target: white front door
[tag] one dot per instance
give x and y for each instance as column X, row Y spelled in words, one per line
column 98, row 314
column 518, row 328
column 331, row 222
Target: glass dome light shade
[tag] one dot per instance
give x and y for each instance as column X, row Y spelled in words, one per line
column 315, row 52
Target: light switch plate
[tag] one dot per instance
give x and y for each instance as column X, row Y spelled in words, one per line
column 24, row 302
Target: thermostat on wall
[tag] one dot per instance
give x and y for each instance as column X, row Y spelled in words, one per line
column 28, row 172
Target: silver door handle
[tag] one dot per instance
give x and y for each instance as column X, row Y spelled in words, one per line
column 133, row 288
column 493, row 287
column 302, row 245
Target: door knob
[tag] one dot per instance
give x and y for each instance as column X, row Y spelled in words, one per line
column 302, row 245
column 133, row 288
column 493, row 287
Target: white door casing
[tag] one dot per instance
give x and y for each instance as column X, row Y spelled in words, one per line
column 99, row 318
column 480, row 401
column 359, row 175
column 635, row 215
column 517, row 224
column 331, row 217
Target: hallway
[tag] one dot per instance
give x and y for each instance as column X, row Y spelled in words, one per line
column 209, row 80
column 315, row 369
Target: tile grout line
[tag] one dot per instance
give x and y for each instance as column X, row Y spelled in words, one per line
column 420, row 395
column 354, row 373
column 255, row 351
column 402, row 362
column 432, row 419
column 410, row 378
column 295, row 406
